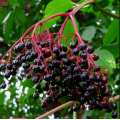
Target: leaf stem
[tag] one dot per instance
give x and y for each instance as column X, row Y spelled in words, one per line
column 54, row 110
column 106, row 11
column 68, row 104
column 81, row 5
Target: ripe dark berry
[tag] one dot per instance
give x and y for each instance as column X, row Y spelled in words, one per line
column 14, row 68
column 23, row 59
column 29, row 58
column 88, row 117
column 84, row 62
column 42, row 44
column 70, row 111
column 75, row 51
column 73, row 45
column 92, row 77
column 75, row 108
column 40, row 90
column 28, row 53
column 102, row 88
column 98, row 79
column 34, row 54
column 9, row 66
column 3, row 85
column 48, row 77
column 36, row 61
column 114, row 106
column 90, row 49
column 96, row 68
column 28, row 75
column 2, row 67
column 76, row 70
column 26, row 65
column 114, row 115
column 7, row 74
column 55, row 50
column 45, row 88
column 82, row 46
column 105, row 72
column 41, row 69
column 20, row 47
column 13, row 73
column 62, row 54
column 28, row 45
column 37, row 86
column 38, row 42
column 95, row 57
column 35, row 68
column 71, row 96
column 35, row 96
column 49, row 100
column 104, row 80
column 83, row 54
column 35, row 80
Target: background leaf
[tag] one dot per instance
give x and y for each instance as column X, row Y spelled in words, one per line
column 20, row 16
column 106, row 60
column 112, row 32
column 7, row 29
column 88, row 33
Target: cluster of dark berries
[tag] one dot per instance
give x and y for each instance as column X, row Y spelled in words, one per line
column 66, row 71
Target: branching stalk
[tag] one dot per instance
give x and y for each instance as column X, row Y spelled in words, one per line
column 68, row 104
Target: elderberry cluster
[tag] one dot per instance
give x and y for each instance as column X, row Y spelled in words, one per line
column 65, row 71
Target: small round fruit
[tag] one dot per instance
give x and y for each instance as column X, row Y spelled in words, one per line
column 104, row 103
column 114, row 106
column 28, row 75
column 35, row 96
column 95, row 57
column 28, row 45
column 82, row 46
column 90, row 49
column 75, row 51
column 105, row 72
column 114, row 115
column 73, row 45
column 9, row 66
column 3, row 85
column 104, row 80
column 70, row 111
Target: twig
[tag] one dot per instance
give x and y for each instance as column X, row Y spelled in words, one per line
column 67, row 104
column 105, row 11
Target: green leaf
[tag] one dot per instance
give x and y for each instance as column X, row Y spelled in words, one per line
column 20, row 16
column 113, row 31
column 113, row 48
column 58, row 6
column 103, row 30
column 11, row 2
column 2, row 96
column 3, row 13
column 21, row 2
column 106, row 60
column 30, row 92
column 27, row 84
column 117, row 79
column 88, row 33
column 7, row 27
